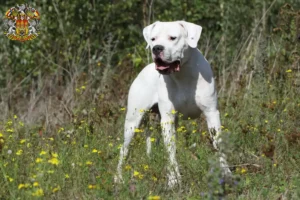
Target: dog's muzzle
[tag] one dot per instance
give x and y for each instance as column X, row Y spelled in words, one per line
column 165, row 67
column 162, row 66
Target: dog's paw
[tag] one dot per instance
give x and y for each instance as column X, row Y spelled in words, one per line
column 173, row 180
column 227, row 176
column 226, row 172
column 118, row 179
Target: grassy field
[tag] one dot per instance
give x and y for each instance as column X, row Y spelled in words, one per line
column 78, row 160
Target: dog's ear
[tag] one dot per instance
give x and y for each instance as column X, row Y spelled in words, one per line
column 146, row 32
column 193, row 32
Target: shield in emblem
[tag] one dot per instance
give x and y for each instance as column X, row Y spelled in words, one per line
column 22, row 23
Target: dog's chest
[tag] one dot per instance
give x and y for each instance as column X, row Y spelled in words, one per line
column 184, row 97
column 187, row 102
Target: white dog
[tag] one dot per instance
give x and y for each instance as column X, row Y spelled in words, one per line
column 181, row 80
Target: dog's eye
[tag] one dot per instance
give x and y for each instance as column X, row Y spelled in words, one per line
column 173, row 38
column 152, row 39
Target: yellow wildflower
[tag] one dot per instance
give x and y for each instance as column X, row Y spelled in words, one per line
column 22, row 141
column 38, row 160
column 181, row 129
column 61, row 129
column 154, row 198
column 146, row 167
column 136, row 173
column 15, row 117
column 19, row 152
column 154, row 178
column 128, row 167
column 141, row 176
column 122, row 109
column 54, row 161
column 85, row 146
column 152, row 139
column 35, row 184
column 9, row 179
column 38, row 193
column 67, row 176
column 173, row 112
column 136, row 130
column 243, row 170
column 95, row 151
column 89, row 163
column 288, row 71
column 10, row 130
column 21, row 185
column 54, row 155
column 56, row 189
column 92, row 186
column 43, row 153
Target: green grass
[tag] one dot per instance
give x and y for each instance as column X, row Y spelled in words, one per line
column 78, row 161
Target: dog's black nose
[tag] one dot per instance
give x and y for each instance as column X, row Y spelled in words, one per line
column 157, row 49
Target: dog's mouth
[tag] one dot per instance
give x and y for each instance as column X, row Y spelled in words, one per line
column 165, row 67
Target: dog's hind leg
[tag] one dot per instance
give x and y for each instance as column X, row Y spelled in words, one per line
column 148, row 142
column 153, row 120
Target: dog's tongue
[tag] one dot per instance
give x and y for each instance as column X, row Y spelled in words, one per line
column 177, row 68
column 161, row 67
column 174, row 66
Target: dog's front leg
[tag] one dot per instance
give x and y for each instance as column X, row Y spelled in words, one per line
column 132, row 122
column 214, row 126
column 168, row 132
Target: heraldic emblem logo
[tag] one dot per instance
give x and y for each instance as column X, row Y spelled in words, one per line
column 22, row 23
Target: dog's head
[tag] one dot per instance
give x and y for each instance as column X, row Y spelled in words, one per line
column 168, row 42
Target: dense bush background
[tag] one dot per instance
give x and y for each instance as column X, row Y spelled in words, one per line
column 75, row 76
